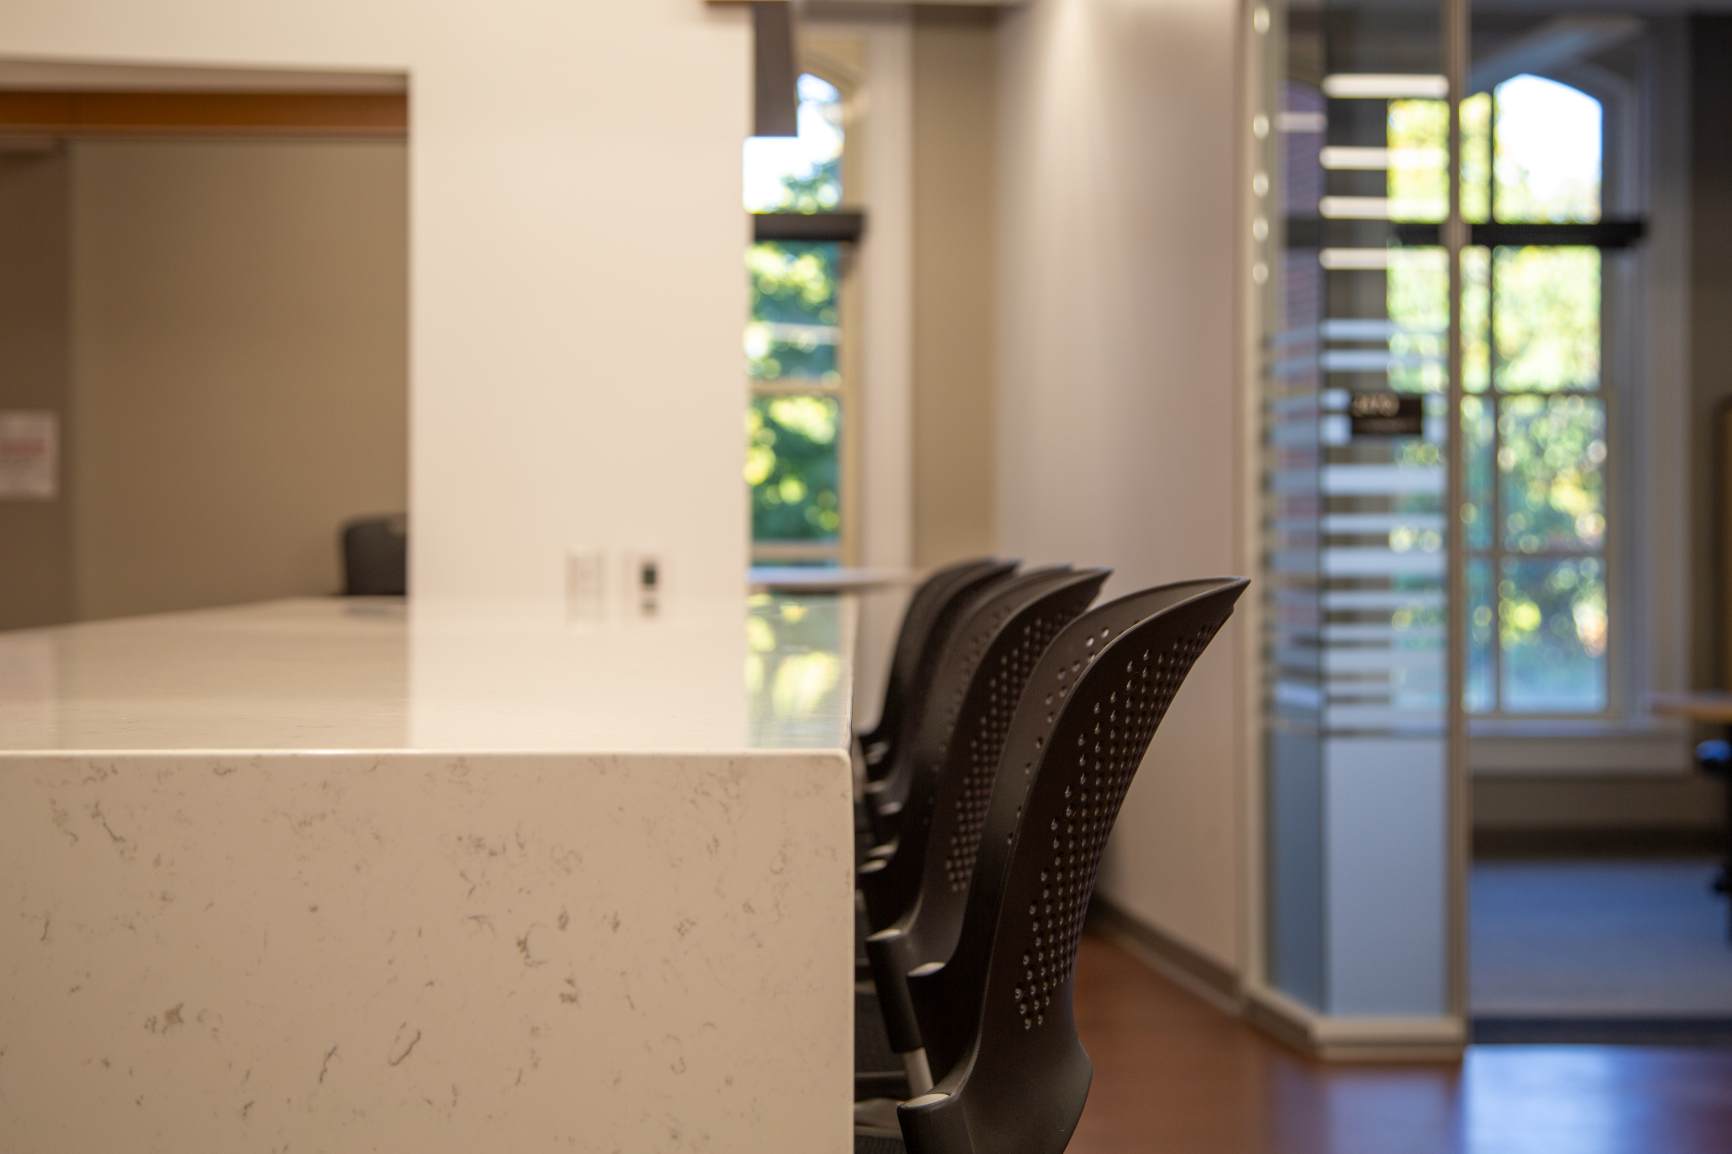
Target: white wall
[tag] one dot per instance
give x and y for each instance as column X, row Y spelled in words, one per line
column 576, row 285
column 1118, row 402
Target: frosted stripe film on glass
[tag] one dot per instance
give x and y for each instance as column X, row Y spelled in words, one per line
column 1354, row 532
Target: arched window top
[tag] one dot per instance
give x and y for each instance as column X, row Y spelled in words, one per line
column 800, row 173
column 1549, row 143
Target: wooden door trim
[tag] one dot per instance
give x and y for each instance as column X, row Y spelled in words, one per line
column 103, row 113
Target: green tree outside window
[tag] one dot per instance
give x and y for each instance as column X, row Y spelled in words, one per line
column 1534, row 422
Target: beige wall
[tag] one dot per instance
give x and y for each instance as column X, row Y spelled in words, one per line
column 955, row 156
column 1672, row 801
column 240, row 353
column 1118, row 399
column 35, row 535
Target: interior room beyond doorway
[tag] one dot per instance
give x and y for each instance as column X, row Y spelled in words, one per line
column 204, row 282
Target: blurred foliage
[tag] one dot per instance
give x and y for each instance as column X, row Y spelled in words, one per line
column 1547, row 317
column 1418, row 302
column 821, row 191
column 1549, row 614
column 1548, row 155
column 795, row 310
column 791, row 466
column 1478, row 454
column 1475, row 157
column 793, row 440
column 1552, row 635
column 1475, row 318
column 1418, row 136
column 1550, row 456
column 1550, row 617
column 1530, row 326
column 1480, row 692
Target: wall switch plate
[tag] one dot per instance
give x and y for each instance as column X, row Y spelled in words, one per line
column 645, row 584
column 585, row 584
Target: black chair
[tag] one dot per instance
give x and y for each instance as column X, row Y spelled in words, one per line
column 376, row 556
column 973, row 694
column 980, row 675
column 996, row 1017
column 931, row 712
column 887, row 779
column 932, row 614
column 917, row 620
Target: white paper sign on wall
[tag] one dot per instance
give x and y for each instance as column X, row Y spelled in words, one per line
column 29, row 456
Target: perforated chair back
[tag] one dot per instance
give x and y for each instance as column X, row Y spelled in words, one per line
column 917, row 620
column 982, row 670
column 376, row 556
column 1012, row 1077
column 891, row 775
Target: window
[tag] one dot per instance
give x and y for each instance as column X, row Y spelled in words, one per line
column 793, row 343
column 1535, row 415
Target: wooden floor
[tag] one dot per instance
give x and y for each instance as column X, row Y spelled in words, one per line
column 1172, row 1073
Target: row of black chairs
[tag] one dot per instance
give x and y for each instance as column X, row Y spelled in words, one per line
column 1013, row 722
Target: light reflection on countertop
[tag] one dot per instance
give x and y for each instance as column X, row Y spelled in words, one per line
column 330, row 674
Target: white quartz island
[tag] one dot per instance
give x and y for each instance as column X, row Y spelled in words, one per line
column 331, row 875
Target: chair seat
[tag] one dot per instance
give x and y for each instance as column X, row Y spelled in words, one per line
column 872, row 1052
column 863, row 839
column 862, row 931
column 878, row 1142
column 888, row 1084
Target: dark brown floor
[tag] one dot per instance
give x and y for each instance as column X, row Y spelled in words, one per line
column 1172, row 1073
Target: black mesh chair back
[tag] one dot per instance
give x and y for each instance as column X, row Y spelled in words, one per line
column 889, row 777
column 376, row 556
column 1012, row 1075
column 924, row 604
column 926, row 713
column 982, row 670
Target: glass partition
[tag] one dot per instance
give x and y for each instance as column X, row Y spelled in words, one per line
column 1353, row 185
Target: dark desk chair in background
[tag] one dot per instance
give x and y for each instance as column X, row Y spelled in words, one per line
column 1715, row 758
column 376, row 556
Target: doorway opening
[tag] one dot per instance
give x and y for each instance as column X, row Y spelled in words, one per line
column 205, row 276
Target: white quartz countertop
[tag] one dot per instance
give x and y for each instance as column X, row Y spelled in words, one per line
column 334, row 675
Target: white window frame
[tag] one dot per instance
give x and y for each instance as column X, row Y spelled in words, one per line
column 1645, row 381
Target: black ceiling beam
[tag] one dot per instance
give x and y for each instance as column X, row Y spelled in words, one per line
column 776, row 103
column 1316, row 232
column 1603, row 234
column 849, row 225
